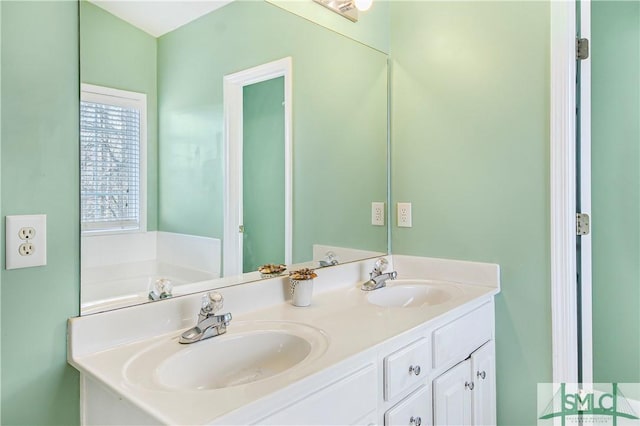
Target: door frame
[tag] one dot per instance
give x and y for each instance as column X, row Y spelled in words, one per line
column 563, row 187
column 233, row 85
column 586, row 307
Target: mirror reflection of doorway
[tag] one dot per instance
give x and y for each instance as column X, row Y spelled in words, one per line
column 265, row 171
column 263, row 174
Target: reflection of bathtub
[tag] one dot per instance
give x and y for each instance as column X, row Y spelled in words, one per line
column 118, row 269
column 116, row 286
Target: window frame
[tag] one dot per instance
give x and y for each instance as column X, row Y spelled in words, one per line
column 127, row 99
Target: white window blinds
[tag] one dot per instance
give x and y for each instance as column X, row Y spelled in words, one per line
column 111, row 160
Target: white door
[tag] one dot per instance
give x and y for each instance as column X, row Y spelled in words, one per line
column 452, row 396
column 484, row 379
column 611, row 299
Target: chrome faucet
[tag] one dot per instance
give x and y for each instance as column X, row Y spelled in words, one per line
column 161, row 289
column 376, row 278
column 209, row 324
column 330, row 259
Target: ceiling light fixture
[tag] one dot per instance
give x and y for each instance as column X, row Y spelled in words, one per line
column 347, row 8
column 363, row 5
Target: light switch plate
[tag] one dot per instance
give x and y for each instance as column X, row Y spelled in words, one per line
column 25, row 241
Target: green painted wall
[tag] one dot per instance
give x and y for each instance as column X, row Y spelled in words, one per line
column 115, row 54
column 339, row 130
column 263, row 174
column 470, row 150
column 615, row 54
column 371, row 29
column 39, row 174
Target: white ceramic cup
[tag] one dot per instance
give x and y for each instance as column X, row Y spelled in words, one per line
column 301, row 292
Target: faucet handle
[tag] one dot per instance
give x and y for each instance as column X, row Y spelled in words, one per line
column 212, row 302
column 380, row 265
column 331, row 257
column 160, row 289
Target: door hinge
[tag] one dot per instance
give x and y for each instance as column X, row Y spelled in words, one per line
column 582, row 224
column 241, row 229
column 582, row 48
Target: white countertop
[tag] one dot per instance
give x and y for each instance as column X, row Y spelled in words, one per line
column 352, row 325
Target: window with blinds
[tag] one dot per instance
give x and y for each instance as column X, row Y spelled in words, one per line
column 112, row 159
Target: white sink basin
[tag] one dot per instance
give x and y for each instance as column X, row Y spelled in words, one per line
column 413, row 293
column 247, row 353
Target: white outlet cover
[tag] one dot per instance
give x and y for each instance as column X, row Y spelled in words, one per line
column 404, row 215
column 377, row 213
column 13, row 225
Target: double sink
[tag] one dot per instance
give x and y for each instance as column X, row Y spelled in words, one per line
column 253, row 351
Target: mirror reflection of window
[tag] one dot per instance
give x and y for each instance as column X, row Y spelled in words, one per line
column 112, row 159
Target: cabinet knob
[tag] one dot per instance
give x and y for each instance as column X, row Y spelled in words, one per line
column 481, row 374
column 468, row 385
column 414, row 370
column 415, row 421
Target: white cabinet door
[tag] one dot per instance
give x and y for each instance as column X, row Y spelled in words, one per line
column 452, row 396
column 484, row 391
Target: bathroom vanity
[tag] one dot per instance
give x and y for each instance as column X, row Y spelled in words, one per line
column 419, row 351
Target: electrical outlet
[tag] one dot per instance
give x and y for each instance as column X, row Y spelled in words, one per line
column 26, row 241
column 404, row 215
column 26, row 249
column 377, row 214
column 27, row 233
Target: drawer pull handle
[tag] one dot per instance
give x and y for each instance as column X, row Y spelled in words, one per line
column 415, row 421
column 468, row 385
column 414, row 370
column 481, row 374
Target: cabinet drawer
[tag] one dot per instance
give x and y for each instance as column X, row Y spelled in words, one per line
column 456, row 340
column 405, row 368
column 414, row 410
column 371, row 419
column 343, row 402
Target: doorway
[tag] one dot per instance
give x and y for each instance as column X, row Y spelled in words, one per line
column 241, row 205
column 615, row 190
column 595, row 168
column 263, row 174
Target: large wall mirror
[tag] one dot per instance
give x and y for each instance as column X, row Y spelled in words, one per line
column 161, row 161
